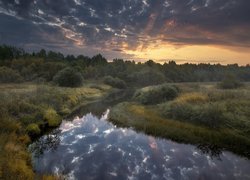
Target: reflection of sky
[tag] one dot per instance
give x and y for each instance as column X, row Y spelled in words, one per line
column 92, row 148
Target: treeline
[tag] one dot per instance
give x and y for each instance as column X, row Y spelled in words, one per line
column 16, row 65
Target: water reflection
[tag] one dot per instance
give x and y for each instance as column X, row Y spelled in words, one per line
column 92, row 148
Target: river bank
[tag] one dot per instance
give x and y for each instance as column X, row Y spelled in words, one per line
column 28, row 111
column 214, row 118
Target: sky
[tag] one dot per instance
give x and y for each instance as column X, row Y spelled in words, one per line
column 194, row 31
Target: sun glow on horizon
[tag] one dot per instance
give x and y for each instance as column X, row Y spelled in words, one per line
column 191, row 54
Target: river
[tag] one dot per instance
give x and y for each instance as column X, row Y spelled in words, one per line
column 90, row 147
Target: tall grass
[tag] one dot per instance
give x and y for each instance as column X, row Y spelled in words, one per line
column 198, row 115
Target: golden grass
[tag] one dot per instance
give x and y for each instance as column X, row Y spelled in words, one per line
column 194, row 97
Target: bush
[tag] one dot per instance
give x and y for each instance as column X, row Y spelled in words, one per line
column 230, row 82
column 68, row 77
column 52, row 118
column 208, row 114
column 114, row 82
column 156, row 94
column 33, row 130
column 147, row 78
column 8, row 75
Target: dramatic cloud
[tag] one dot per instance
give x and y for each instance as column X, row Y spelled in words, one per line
column 124, row 28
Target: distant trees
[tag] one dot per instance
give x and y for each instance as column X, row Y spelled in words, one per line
column 98, row 60
column 146, row 77
column 9, row 52
column 42, row 53
column 68, row 77
column 44, row 65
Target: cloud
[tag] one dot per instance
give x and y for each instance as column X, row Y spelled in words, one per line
column 118, row 25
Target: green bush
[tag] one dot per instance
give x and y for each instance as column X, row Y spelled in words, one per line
column 8, row 75
column 33, row 129
column 52, row 118
column 147, row 77
column 230, row 82
column 114, row 82
column 156, row 94
column 68, row 77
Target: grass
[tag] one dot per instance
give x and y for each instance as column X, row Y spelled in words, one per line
column 232, row 133
column 28, row 110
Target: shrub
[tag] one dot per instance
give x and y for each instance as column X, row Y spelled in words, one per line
column 207, row 114
column 33, row 129
column 52, row 118
column 156, row 94
column 114, row 82
column 8, row 75
column 68, row 77
column 230, row 82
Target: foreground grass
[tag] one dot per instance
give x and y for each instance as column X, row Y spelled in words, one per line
column 29, row 110
column 230, row 133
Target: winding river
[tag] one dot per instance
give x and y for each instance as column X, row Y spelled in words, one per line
column 93, row 148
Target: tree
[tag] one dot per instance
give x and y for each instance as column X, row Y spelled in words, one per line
column 42, row 53
column 98, row 60
column 68, row 77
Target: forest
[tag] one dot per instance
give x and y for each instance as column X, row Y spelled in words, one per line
column 42, row 66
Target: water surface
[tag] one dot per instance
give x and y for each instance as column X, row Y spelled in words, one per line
column 92, row 148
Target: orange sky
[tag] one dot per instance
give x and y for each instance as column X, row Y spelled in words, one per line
column 192, row 54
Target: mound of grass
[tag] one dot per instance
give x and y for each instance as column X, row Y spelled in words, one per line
column 156, row 94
